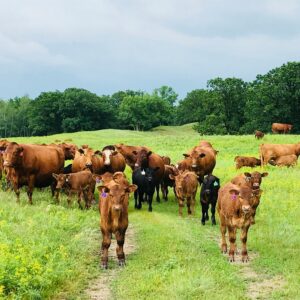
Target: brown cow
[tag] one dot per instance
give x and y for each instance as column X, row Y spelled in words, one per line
column 186, row 185
column 185, row 164
column 203, row 161
column 205, row 143
column 130, row 153
column 284, row 161
column 148, row 159
column 113, row 160
column 258, row 134
column 234, row 208
column 273, row 151
column 33, row 165
column 69, row 150
column 281, row 128
column 253, row 181
column 167, row 181
column 113, row 207
column 81, row 183
column 246, row 161
column 3, row 145
column 87, row 158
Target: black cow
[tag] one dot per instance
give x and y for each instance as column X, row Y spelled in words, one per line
column 145, row 181
column 209, row 195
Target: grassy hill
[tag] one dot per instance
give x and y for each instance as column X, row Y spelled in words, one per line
column 51, row 251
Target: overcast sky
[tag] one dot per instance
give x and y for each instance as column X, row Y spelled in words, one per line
column 108, row 45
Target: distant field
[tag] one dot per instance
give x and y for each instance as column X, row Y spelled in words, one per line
column 51, row 251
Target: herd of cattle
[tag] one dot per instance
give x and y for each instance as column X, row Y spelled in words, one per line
column 236, row 201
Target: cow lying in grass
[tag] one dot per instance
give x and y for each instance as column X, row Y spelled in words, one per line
column 81, row 183
column 284, row 161
column 113, row 207
column 186, row 184
column 209, row 196
column 246, row 161
column 234, row 209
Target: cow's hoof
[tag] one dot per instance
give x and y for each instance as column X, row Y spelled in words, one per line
column 231, row 258
column 207, row 218
column 245, row 258
column 104, row 266
column 213, row 223
column 122, row 263
column 203, row 222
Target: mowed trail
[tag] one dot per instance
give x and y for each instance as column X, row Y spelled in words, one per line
column 100, row 288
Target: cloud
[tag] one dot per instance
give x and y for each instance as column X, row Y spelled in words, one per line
column 107, row 45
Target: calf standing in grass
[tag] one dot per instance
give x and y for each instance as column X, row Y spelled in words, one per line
column 145, row 181
column 113, row 207
column 208, row 196
column 167, row 181
column 81, row 183
column 259, row 134
column 186, row 185
column 234, row 208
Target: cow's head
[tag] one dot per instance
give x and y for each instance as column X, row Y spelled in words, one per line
column 290, row 127
column 88, row 155
column 69, row 150
column 61, row 179
column 150, row 173
column 13, row 155
column 196, row 157
column 142, row 158
column 107, row 153
column 246, row 196
column 179, row 179
column 254, row 179
column 210, row 185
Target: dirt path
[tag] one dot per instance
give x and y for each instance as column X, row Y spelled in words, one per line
column 100, row 289
column 259, row 286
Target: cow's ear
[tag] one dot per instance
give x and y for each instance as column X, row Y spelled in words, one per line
column 97, row 177
column 265, row 174
column 134, row 152
column 149, row 153
column 236, row 158
column 131, row 188
column 114, row 153
column 81, row 151
column 216, row 151
column 98, row 152
column 54, row 175
column 118, row 176
column 186, row 155
column 202, row 155
column 247, row 174
column 20, row 150
column 172, row 177
column 103, row 189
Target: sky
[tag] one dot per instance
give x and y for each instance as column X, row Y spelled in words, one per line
column 110, row 45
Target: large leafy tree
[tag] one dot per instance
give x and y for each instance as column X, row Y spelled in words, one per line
column 166, row 93
column 144, row 112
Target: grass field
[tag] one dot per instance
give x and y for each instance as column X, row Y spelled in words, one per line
column 51, row 251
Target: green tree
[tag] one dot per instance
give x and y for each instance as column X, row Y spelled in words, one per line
column 166, row 93
column 144, row 112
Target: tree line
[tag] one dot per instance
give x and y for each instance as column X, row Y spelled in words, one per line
column 226, row 106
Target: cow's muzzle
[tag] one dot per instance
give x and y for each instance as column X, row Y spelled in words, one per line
column 246, row 209
column 7, row 164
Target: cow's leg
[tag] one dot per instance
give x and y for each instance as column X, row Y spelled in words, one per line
column 69, row 198
column 140, row 198
column 213, row 211
column 54, row 191
column 193, row 204
column 79, row 195
column 188, row 204
column 244, row 233
column 181, row 204
column 150, row 198
column 135, row 198
column 106, row 240
column 164, row 191
column 232, row 239
column 120, row 237
column 157, row 192
column 16, row 188
column 174, row 190
column 223, row 233
column 86, row 199
column 204, row 210
column 30, row 188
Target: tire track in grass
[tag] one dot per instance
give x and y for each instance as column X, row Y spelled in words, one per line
column 100, row 288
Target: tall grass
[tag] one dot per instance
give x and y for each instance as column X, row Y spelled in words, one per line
column 51, row 251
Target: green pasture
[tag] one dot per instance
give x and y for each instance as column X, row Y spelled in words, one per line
column 50, row 251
